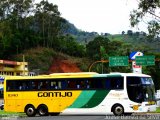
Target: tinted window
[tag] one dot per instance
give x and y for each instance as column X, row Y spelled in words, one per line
column 62, row 84
column 114, row 83
column 134, row 89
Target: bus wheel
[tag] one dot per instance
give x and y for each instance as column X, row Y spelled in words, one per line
column 42, row 110
column 30, row 110
column 118, row 110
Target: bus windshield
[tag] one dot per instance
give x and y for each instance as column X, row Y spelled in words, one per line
column 140, row 89
column 148, row 88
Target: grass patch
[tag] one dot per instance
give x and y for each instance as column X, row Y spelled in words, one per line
column 158, row 110
column 11, row 114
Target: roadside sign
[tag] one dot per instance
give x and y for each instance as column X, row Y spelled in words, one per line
column 118, row 61
column 134, row 54
column 136, row 68
column 145, row 60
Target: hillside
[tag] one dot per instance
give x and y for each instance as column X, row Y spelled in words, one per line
column 80, row 35
column 138, row 39
column 63, row 66
column 46, row 61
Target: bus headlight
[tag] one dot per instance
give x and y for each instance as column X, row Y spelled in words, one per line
column 151, row 102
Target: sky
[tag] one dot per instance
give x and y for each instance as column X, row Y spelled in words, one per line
column 102, row 16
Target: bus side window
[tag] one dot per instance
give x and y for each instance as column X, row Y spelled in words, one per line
column 8, row 86
column 119, row 84
column 54, row 85
column 59, row 85
column 29, row 85
column 34, row 85
column 48, row 83
column 88, row 84
column 71, row 84
column 78, row 84
column 63, row 84
column 42, row 85
column 116, row 83
column 108, row 84
column 12, row 85
column 23, row 85
column 82, row 84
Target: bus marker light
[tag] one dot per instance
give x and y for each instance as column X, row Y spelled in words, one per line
column 135, row 107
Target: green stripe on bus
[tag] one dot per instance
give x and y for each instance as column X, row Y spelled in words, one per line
column 83, row 98
column 96, row 99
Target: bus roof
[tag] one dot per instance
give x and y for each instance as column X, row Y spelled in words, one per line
column 77, row 75
column 56, row 75
column 118, row 74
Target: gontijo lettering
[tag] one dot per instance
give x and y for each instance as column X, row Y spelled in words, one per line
column 54, row 94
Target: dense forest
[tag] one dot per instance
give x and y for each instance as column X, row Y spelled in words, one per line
column 25, row 24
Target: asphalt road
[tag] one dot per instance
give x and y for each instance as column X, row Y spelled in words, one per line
column 82, row 117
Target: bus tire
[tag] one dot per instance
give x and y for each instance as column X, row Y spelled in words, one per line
column 117, row 109
column 42, row 110
column 30, row 110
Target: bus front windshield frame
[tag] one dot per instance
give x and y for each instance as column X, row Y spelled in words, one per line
column 140, row 89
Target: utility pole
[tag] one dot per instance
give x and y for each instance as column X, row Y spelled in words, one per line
column 23, row 65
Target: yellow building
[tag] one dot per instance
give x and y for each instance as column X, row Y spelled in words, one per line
column 13, row 68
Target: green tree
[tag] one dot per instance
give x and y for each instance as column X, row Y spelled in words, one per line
column 15, row 11
column 93, row 47
column 5, row 38
column 146, row 8
column 14, row 24
column 103, row 53
column 68, row 44
column 48, row 21
column 21, row 23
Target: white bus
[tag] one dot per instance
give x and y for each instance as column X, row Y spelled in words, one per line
column 80, row 93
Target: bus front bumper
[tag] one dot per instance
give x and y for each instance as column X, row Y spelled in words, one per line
column 144, row 107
